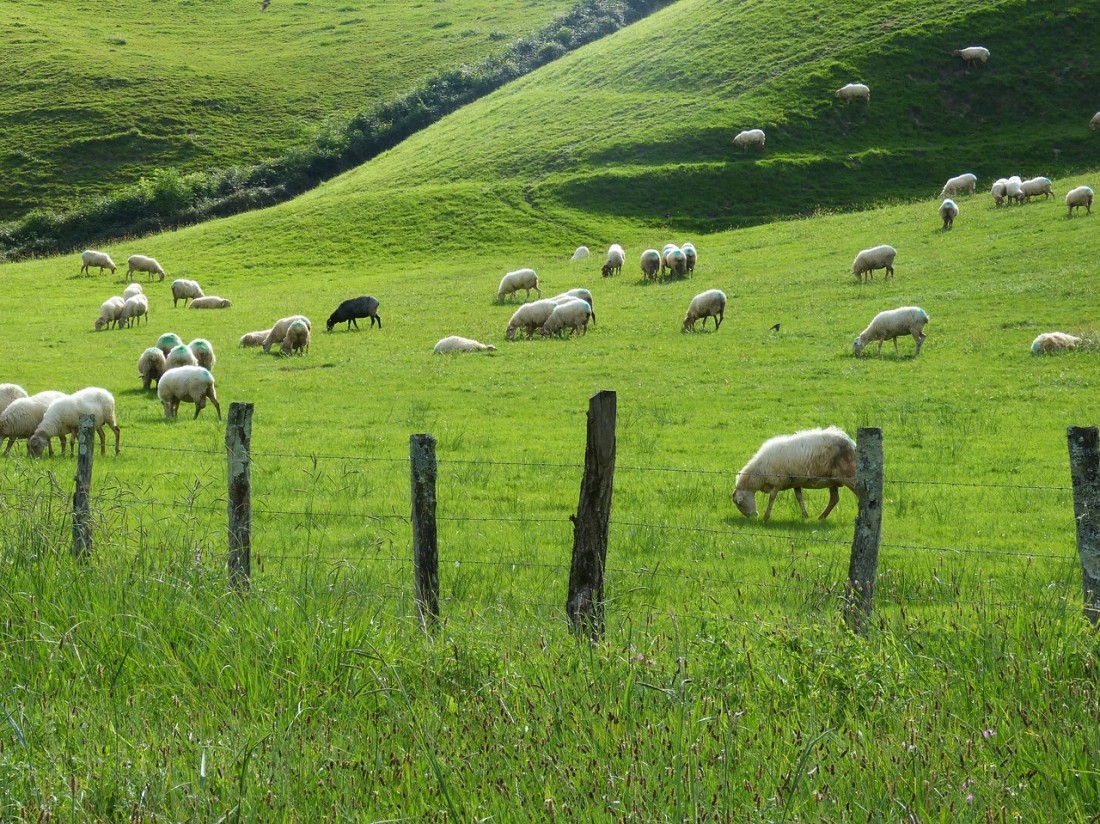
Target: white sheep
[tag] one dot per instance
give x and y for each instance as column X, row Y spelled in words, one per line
column 135, row 307
column 651, row 263
column 296, row 338
column 949, row 210
column 63, row 418
column 141, row 263
column 151, row 365
column 1014, row 189
column 455, row 343
column 675, row 261
column 203, row 351
column 530, row 317
column 254, row 338
column 572, row 315
column 708, row 304
column 961, row 183
column 999, row 189
column 1054, row 342
column 810, row 459
column 580, row 254
column 854, row 91
column 183, row 289
column 131, row 290
column 972, row 54
column 180, row 356
column 23, row 415
column 877, row 257
column 168, row 341
column 211, row 302
column 519, row 279
column 10, row 392
column 187, row 384
column 583, row 294
column 691, row 257
column 1037, row 186
column 278, row 331
column 616, row 257
column 1094, row 123
column 1078, row 197
column 749, row 137
column 892, row 324
column 109, row 312
column 90, row 257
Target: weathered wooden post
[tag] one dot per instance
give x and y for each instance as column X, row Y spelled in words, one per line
column 1084, row 468
column 425, row 538
column 82, row 516
column 863, row 566
column 238, row 445
column 585, row 603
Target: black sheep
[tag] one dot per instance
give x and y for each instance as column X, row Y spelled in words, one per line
column 361, row 307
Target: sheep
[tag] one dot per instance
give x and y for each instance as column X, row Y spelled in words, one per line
column 529, row 317
column 809, row 459
column 572, row 315
column 675, row 261
column 999, row 189
column 203, row 351
column 63, row 418
column 854, row 91
column 1094, row 124
column 708, row 304
column 1081, row 196
column 580, row 254
column 749, row 137
column 131, row 290
column 967, row 183
column 278, row 331
column 168, row 341
column 691, row 257
column 185, row 290
column 892, row 324
column 109, row 312
column 210, row 302
column 651, row 263
column 141, row 263
column 23, row 415
column 90, row 258
column 972, row 54
column 180, row 356
column 519, row 279
column 454, row 343
column 1037, row 186
column 1014, row 189
column 877, row 257
column 187, row 384
column 616, row 257
column 151, row 365
column 136, row 307
column 10, row 392
column 583, row 294
column 949, row 210
column 254, row 338
column 1048, row 342
column 365, row 306
column 296, row 338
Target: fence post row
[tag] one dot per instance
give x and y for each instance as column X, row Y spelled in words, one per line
column 238, row 446
column 585, row 603
column 863, row 566
column 1084, row 468
column 423, row 472
column 82, row 516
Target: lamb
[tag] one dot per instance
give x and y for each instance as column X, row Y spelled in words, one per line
column 141, row 263
column 10, row 392
column 651, row 263
column 1081, row 196
column 749, row 137
column 63, row 418
column 877, row 257
column 690, row 257
column 296, row 339
column 519, row 279
column 892, row 324
column 999, row 189
column 185, row 290
column 708, row 304
column 131, row 290
column 966, row 183
column 1094, row 124
column 616, row 257
column 365, row 306
column 254, row 338
column 151, row 365
column 187, row 384
column 972, row 54
column 854, row 91
column 1037, row 186
column 454, row 343
column 211, row 302
column 90, row 258
column 180, row 356
column 675, row 261
column 23, row 416
column 203, row 351
column 1014, row 189
column 529, row 317
column 109, row 312
column 572, row 315
column 1045, row 343
column 948, row 212
column 136, row 307
column 810, row 459
column 580, row 254
column 278, row 331
column 168, row 341
column 583, row 294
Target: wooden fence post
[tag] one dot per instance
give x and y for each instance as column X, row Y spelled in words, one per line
column 1084, row 467
column 585, row 603
column 425, row 538
column 82, row 516
column 238, row 445
column 863, row 566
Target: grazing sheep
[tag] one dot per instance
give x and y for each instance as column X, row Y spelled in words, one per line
column 131, row 290
column 572, row 315
column 1014, row 189
column 1048, row 342
column 810, row 459
column 966, row 183
column 180, row 356
column 583, row 294
column 187, row 384
column 211, row 302
column 691, row 257
column 972, row 54
column 365, row 306
column 278, row 331
column 892, row 324
column 168, row 341
column 651, row 263
column 877, row 257
column 10, row 392
column 203, row 351
column 151, row 365
column 23, row 415
column 135, row 307
column 999, row 190
column 90, row 257
column 749, row 137
column 708, row 304
column 185, row 290
column 296, row 338
column 616, row 257
column 1081, row 196
column 1094, row 124
column 254, row 338
column 949, row 210
column 63, row 418
column 530, row 317
column 519, row 279
column 580, row 254
column 109, row 312
column 454, row 343
column 1036, row 186
column 675, row 261
column 141, row 263
column 854, row 91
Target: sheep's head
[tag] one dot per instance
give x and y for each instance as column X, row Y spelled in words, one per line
column 100, row 323
column 745, row 501
column 36, row 446
column 510, row 333
column 330, row 323
column 857, row 347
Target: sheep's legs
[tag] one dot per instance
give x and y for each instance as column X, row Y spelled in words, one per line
column 771, row 500
column 718, row 320
column 834, row 498
column 919, row 338
column 801, row 503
